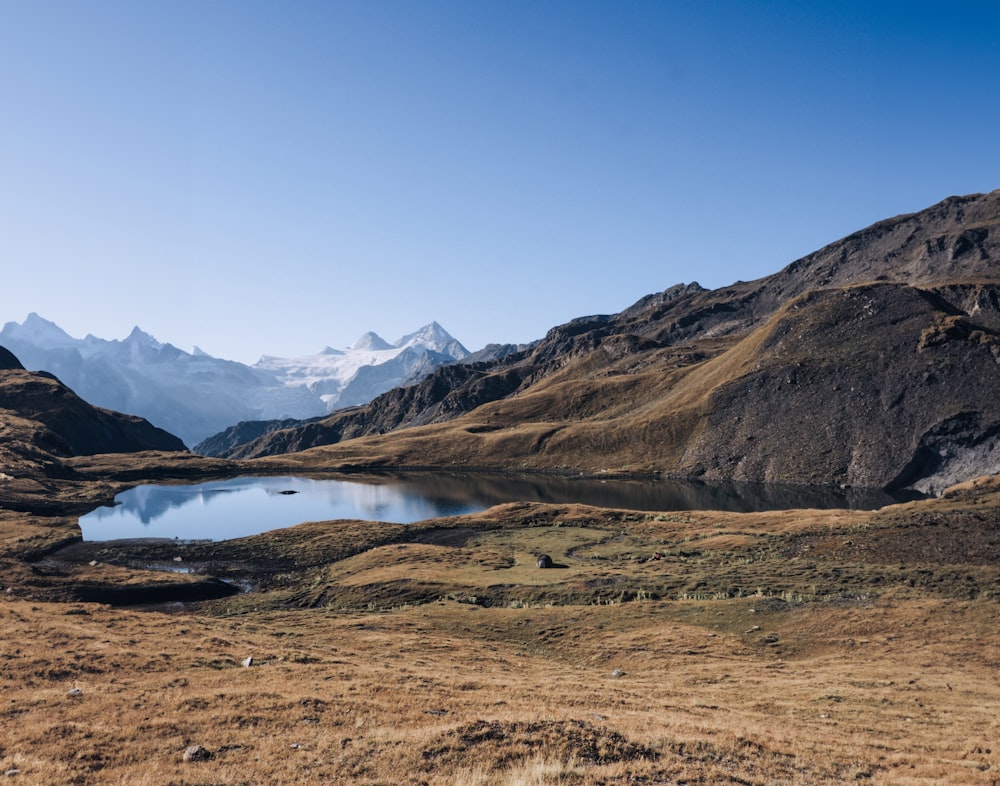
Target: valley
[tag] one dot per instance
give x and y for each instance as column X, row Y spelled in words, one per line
column 793, row 646
column 783, row 647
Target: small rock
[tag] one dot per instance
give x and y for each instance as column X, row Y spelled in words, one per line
column 618, row 673
column 92, row 563
column 197, row 753
column 544, row 561
column 247, row 662
column 178, row 559
column 74, row 692
column 12, row 772
column 753, row 629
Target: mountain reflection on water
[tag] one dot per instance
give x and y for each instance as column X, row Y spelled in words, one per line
column 235, row 508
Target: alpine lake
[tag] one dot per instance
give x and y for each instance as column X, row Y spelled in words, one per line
column 226, row 509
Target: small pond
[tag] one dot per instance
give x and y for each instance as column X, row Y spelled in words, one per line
column 220, row 510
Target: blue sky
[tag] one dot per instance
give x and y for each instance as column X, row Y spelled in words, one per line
column 274, row 177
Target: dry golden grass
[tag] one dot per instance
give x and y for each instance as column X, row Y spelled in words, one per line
column 798, row 647
column 892, row 692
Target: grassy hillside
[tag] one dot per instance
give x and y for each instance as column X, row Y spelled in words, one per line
column 787, row 647
column 793, row 647
column 871, row 362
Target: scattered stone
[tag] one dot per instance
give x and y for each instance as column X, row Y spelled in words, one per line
column 752, row 630
column 12, row 772
column 178, row 558
column 74, row 692
column 435, row 712
column 618, row 673
column 247, row 662
column 544, row 561
column 967, row 763
column 93, row 563
column 197, row 753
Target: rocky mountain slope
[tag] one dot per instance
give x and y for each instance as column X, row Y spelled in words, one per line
column 42, row 422
column 195, row 395
column 870, row 362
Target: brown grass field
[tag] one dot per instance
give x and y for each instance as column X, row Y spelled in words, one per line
column 795, row 647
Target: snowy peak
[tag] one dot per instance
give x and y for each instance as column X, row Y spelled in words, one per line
column 369, row 368
column 37, row 330
column 196, row 395
column 139, row 337
column 435, row 338
column 372, row 342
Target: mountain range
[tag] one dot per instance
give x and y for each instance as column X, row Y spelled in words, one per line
column 873, row 362
column 195, row 395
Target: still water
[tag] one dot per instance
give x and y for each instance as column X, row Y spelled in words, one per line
column 221, row 510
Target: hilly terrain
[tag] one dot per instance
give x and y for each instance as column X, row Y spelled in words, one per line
column 60, row 424
column 871, row 362
column 794, row 647
column 195, row 395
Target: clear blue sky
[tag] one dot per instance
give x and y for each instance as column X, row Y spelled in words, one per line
column 274, row 177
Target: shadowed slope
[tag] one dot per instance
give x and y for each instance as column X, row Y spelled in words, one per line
column 42, row 422
column 837, row 369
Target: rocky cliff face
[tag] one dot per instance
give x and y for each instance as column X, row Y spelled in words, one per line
column 870, row 362
column 881, row 385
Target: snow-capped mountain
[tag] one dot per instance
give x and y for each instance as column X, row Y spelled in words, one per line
column 344, row 378
column 195, row 395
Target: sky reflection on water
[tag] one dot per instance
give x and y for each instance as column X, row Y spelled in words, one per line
column 221, row 510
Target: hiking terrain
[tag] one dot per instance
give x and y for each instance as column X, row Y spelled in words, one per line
column 872, row 362
column 656, row 647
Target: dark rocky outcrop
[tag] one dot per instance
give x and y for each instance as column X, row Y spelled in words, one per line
column 229, row 440
column 880, row 385
column 63, row 424
column 8, row 361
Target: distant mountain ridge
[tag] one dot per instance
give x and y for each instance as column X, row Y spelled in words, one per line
column 194, row 395
column 344, row 378
column 874, row 362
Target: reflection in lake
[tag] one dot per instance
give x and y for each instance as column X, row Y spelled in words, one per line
column 226, row 509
